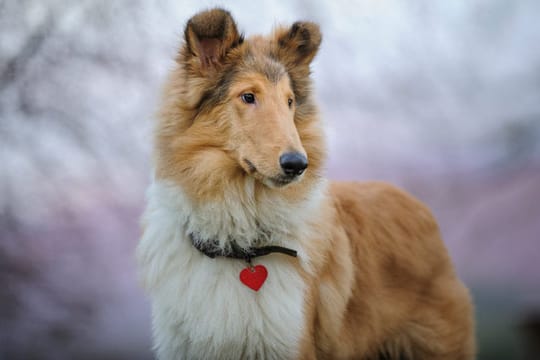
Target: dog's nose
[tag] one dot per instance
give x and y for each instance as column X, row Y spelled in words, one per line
column 293, row 163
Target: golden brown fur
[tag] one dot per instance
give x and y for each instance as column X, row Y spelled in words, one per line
column 386, row 284
column 382, row 284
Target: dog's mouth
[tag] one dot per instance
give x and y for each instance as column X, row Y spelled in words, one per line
column 251, row 169
column 270, row 181
column 280, row 181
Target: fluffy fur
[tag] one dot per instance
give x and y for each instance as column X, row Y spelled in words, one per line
column 372, row 279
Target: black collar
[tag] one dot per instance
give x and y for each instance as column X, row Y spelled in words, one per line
column 211, row 249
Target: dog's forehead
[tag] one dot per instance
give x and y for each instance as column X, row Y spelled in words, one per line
column 259, row 56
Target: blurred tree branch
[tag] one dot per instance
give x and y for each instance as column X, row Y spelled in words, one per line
column 33, row 44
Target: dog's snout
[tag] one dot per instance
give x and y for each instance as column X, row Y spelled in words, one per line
column 293, row 163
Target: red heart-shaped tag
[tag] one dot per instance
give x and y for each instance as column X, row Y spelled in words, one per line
column 254, row 277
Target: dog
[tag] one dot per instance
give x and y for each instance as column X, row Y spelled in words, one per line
column 248, row 252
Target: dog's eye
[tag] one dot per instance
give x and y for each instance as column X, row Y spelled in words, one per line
column 290, row 101
column 248, row 98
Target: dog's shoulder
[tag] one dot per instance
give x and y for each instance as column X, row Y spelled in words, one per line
column 382, row 219
column 381, row 202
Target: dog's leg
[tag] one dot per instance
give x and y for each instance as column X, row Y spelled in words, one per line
column 443, row 329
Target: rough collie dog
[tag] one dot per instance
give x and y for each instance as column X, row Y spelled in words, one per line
column 249, row 253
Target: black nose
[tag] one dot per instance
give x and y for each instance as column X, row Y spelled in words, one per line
column 293, row 163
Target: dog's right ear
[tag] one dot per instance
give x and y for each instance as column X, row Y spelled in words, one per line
column 209, row 36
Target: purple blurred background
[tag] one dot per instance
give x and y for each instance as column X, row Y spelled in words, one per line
column 439, row 97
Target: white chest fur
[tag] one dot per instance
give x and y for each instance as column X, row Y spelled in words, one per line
column 200, row 308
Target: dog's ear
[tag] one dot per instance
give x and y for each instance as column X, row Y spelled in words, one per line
column 295, row 48
column 298, row 45
column 210, row 35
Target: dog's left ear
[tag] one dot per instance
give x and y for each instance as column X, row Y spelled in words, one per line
column 295, row 48
column 210, row 35
column 298, row 45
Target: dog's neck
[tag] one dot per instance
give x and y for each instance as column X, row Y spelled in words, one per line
column 213, row 246
column 248, row 221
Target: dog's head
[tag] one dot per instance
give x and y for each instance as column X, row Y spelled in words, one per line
column 240, row 107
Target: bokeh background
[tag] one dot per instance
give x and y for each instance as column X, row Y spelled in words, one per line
column 439, row 97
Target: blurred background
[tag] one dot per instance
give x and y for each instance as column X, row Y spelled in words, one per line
column 439, row 97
